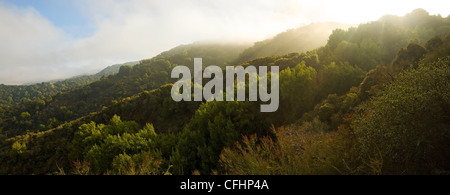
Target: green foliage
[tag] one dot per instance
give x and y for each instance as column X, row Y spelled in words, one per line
column 296, row 151
column 143, row 163
column 332, row 111
column 215, row 125
column 372, row 84
column 339, row 78
column 297, row 40
column 107, row 147
column 156, row 107
column 389, row 134
column 147, row 75
column 19, row 148
column 331, row 120
column 253, row 157
column 376, row 43
column 297, row 93
column 36, row 153
column 393, row 127
column 408, row 57
column 211, row 53
column 13, row 95
column 438, row 50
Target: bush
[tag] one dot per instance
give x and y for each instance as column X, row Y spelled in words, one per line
column 407, row 128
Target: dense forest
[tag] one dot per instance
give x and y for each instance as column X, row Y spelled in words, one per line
column 373, row 99
column 12, row 95
column 296, row 40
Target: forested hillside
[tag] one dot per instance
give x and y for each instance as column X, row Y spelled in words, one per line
column 12, row 95
column 297, row 40
column 373, row 100
column 47, row 113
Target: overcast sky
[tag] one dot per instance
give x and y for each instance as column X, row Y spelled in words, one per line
column 42, row 40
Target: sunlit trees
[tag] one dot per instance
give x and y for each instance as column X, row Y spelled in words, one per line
column 297, row 93
column 111, row 147
column 215, row 125
column 407, row 127
column 359, row 105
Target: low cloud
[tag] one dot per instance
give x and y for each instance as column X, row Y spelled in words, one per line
column 32, row 49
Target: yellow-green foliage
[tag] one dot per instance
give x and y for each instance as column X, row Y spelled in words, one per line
column 19, row 148
column 298, row 150
column 407, row 127
column 120, row 147
column 405, row 130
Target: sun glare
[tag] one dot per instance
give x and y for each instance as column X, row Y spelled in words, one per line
column 356, row 11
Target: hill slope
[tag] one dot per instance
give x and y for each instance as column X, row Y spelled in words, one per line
column 325, row 94
column 11, row 95
column 149, row 74
column 297, row 40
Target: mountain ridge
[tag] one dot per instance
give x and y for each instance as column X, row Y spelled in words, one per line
column 327, row 97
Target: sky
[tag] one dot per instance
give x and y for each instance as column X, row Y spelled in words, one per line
column 42, row 40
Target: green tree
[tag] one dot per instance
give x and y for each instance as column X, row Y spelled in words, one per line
column 214, row 126
column 407, row 127
column 408, row 57
column 297, row 93
column 339, row 78
column 19, row 148
column 108, row 147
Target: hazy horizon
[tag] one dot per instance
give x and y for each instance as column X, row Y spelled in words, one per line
column 53, row 39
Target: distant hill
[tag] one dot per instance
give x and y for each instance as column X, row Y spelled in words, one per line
column 11, row 94
column 219, row 54
column 110, row 70
column 114, row 69
column 296, row 40
column 149, row 74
